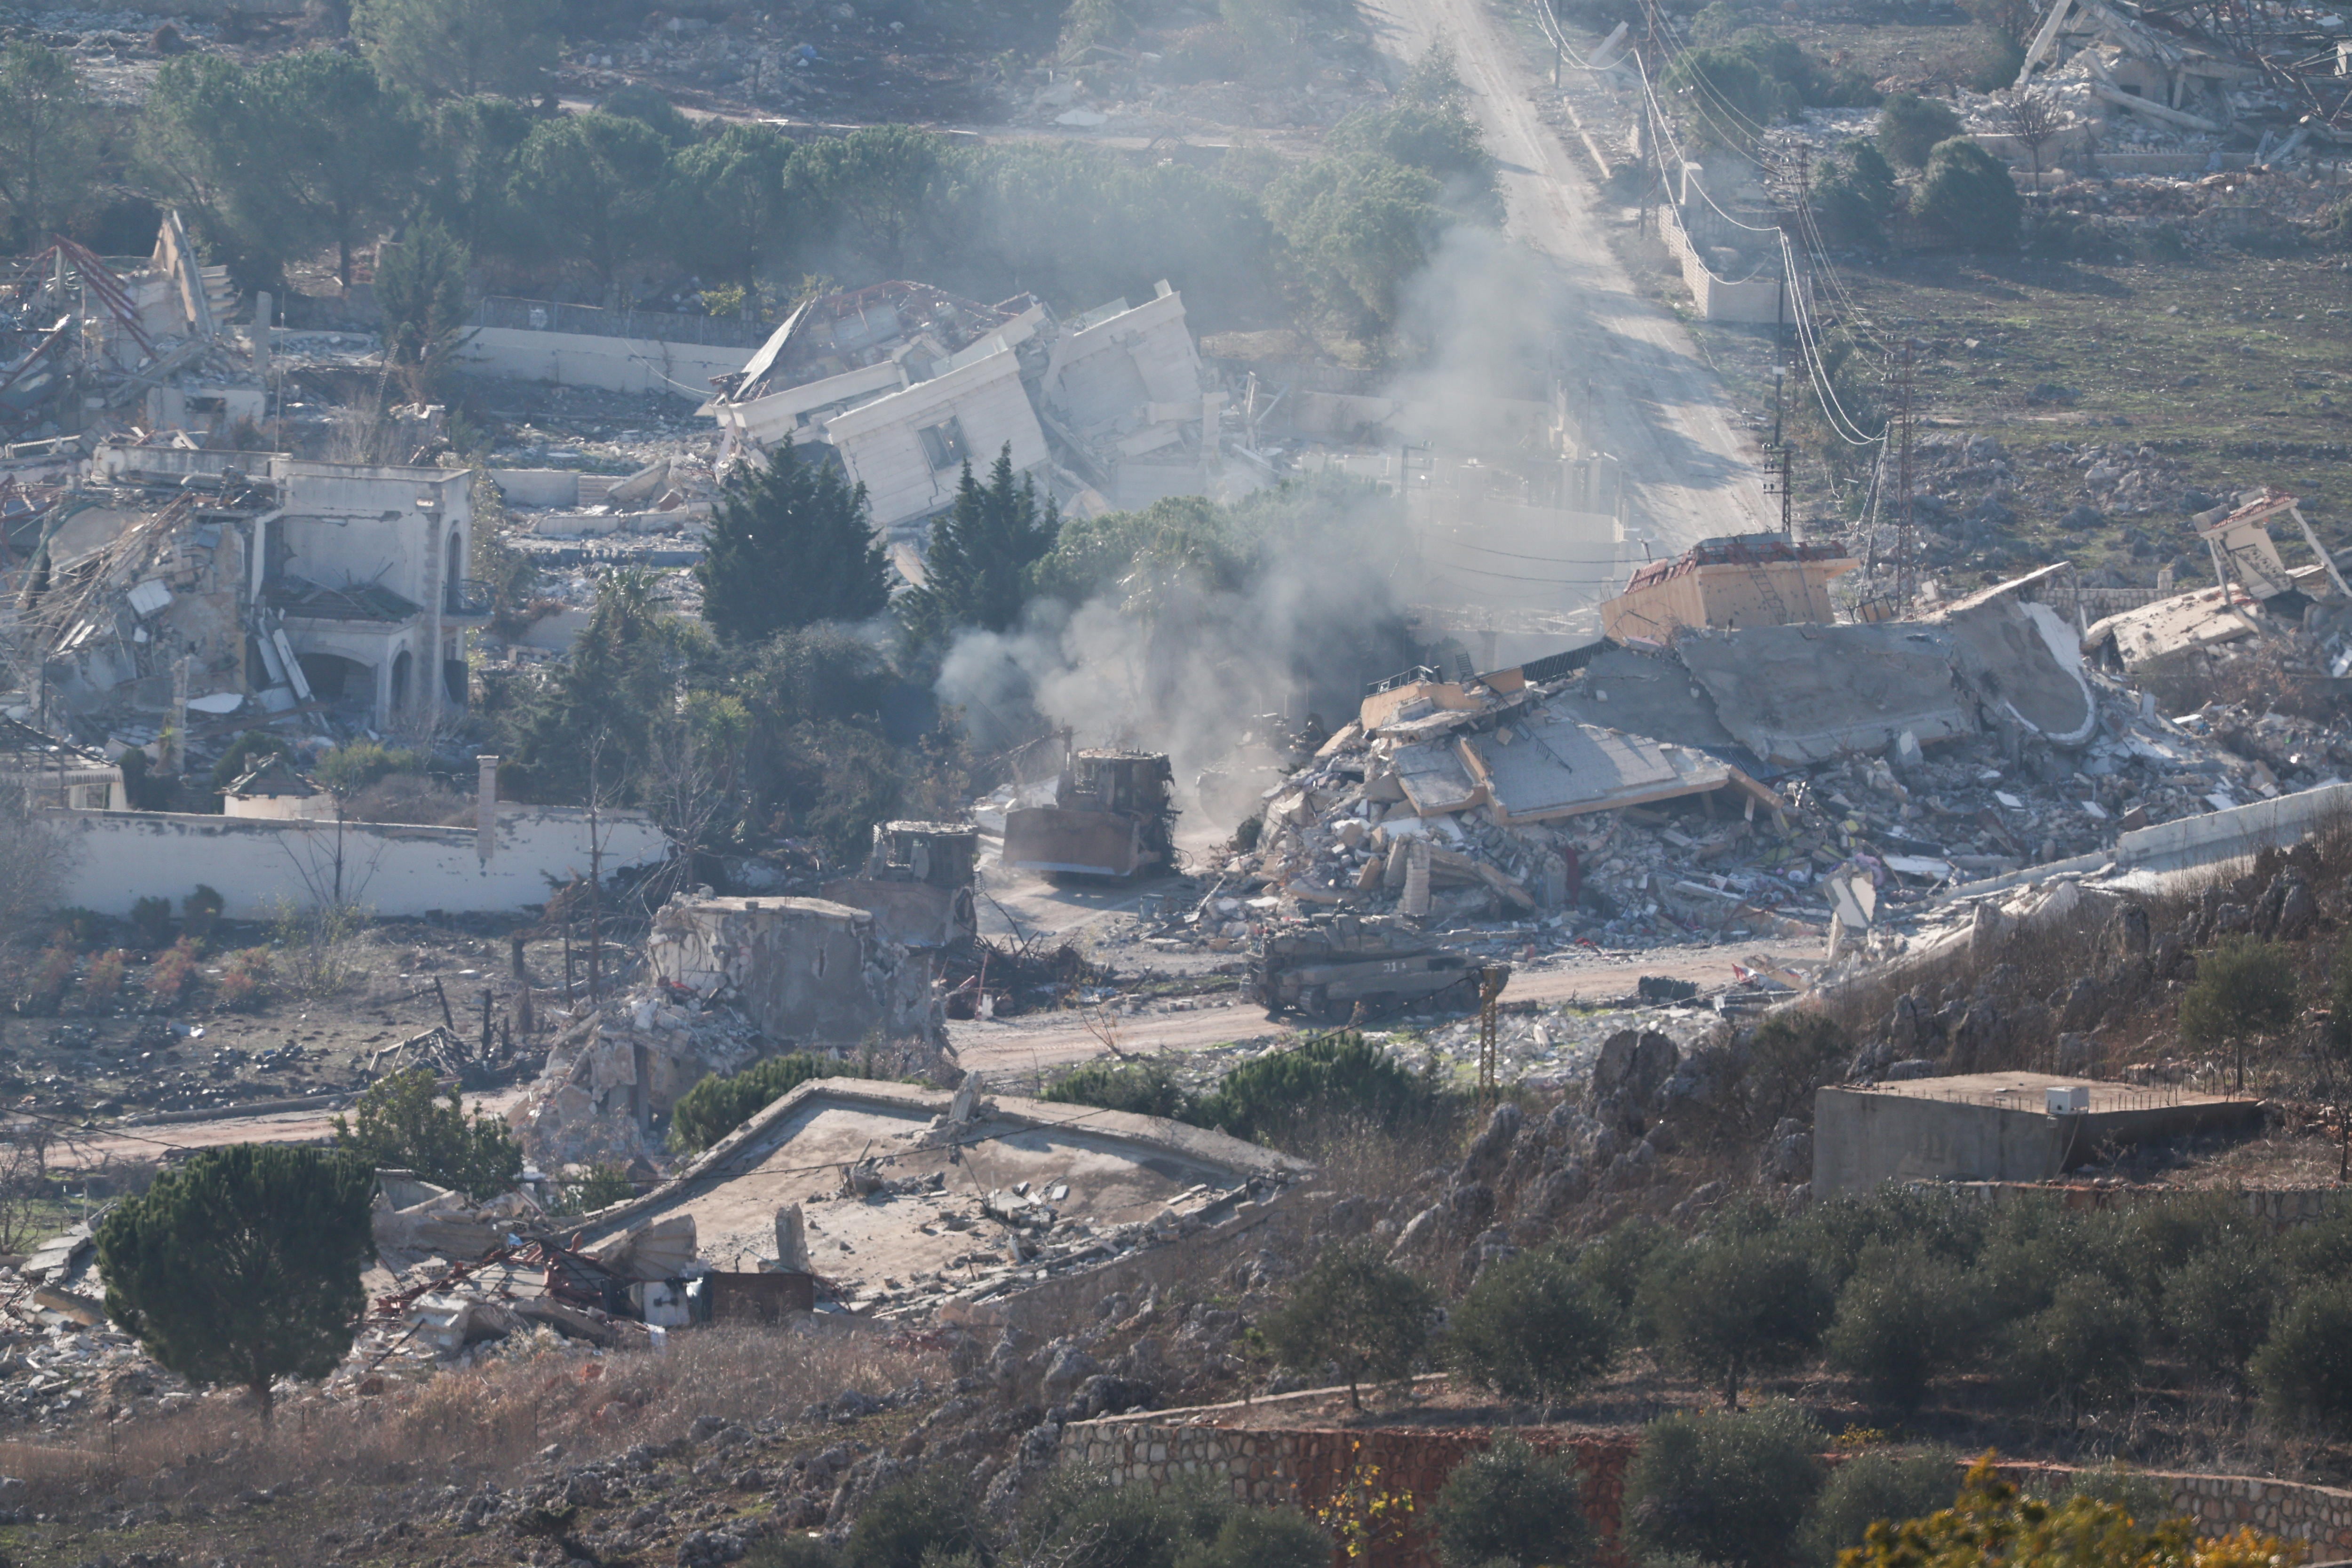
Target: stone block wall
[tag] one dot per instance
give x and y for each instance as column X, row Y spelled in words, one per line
column 1309, row 1467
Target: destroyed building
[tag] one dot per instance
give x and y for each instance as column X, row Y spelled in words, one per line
column 905, row 383
column 965, row 1206
column 1747, row 580
column 220, row 584
column 917, row 883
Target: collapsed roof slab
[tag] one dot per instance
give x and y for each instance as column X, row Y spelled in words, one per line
column 1801, row 694
column 1067, row 1187
column 1552, row 767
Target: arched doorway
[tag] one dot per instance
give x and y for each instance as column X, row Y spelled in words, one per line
column 401, row 664
column 341, row 683
column 456, row 572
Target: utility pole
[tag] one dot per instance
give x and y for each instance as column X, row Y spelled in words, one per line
column 1903, row 564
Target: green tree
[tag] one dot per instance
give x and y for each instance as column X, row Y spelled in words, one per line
column 1353, row 1310
column 2218, row 1306
column 929, row 1517
column 420, row 285
column 726, row 203
column 2335, row 1047
column 791, row 544
column 1530, row 1328
column 1511, row 1507
column 1906, row 1315
column 401, row 1124
column 590, row 185
column 1728, row 1486
column 1969, row 197
column 205, row 144
column 470, row 169
column 2244, row 989
column 2086, row 1346
column 1729, row 1305
column 977, row 570
column 1727, row 95
column 346, row 147
column 2303, row 1371
column 868, row 193
column 1910, row 127
column 48, row 142
column 242, row 1266
column 457, row 48
column 1854, row 194
column 721, row 1102
column 1868, row 1488
column 1358, row 231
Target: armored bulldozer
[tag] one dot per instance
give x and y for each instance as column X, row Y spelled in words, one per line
column 1110, row 817
column 1322, row 967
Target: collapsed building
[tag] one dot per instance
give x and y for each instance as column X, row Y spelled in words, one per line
column 82, row 342
column 903, row 384
column 228, row 584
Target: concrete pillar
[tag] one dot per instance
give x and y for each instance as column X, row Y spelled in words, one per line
column 435, row 525
column 261, row 319
column 486, row 808
column 176, row 761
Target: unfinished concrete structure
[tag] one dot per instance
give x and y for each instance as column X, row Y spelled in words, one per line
column 803, row 970
column 1997, row 1127
column 1745, row 580
column 964, row 1207
column 906, row 383
column 2255, row 594
column 57, row 772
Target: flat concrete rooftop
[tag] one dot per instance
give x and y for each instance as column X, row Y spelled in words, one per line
column 2027, row 1091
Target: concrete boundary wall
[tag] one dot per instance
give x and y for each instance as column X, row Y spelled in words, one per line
column 1755, row 299
column 391, row 869
column 616, row 364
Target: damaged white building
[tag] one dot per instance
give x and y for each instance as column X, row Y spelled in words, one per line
column 906, row 383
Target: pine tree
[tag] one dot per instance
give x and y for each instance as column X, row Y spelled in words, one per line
column 977, row 569
column 242, row 1266
column 791, row 545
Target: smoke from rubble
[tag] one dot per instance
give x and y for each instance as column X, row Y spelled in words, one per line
column 1475, row 325
column 1189, row 666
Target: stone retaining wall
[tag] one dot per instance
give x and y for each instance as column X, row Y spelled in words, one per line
column 1309, row 1466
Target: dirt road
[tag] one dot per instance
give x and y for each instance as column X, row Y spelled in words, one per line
column 1054, row 1039
column 1656, row 404
column 138, row 1143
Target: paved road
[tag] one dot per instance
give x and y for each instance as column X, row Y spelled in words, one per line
column 1657, row 404
column 1053, row 1039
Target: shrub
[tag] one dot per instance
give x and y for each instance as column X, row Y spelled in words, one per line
column 168, row 976
column 1905, row 1316
column 2217, row 1308
column 1323, row 1075
column 2303, row 1371
column 1909, row 127
column 1727, row 94
column 151, row 918
column 1511, row 1507
column 1144, row 1088
column 1615, row 1264
column 1791, row 1054
column 243, row 979
column 200, row 911
column 52, row 972
column 1854, row 194
column 253, row 746
column 1731, row 1305
column 399, row 1124
column 103, row 981
column 2086, row 1346
column 720, row 1104
column 1531, row 1329
column 902, row 1524
column 1871, row 1487
column 1727, row 1487
column 1260, row 1538
column 602, row 1187
column 355, row 764
column 1352, row 1310
column 2083, row 1531
column 2139, row 1494
column 2244, row 987
column 1969, row 197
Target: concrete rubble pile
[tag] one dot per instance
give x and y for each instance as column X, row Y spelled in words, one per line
column 613, row 1069
column 1764, row 780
